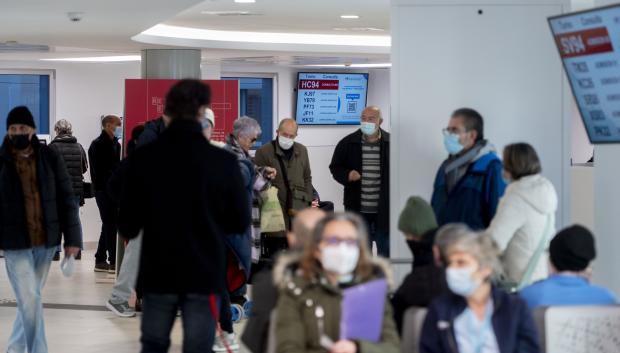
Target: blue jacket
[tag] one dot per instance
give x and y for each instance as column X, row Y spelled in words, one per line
column 474, row 199
column 512, row 324
column 566, row 290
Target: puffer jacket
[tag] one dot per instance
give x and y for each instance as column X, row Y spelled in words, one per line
column 525, row 212
column 60, row 209
column 75, row 159
column 297, row 326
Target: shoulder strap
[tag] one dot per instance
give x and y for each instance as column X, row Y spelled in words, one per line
column 289, row 192
column 535, row 259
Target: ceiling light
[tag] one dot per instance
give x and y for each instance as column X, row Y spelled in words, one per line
column 349, row 17
column 354, row 66
column 267, row 37
column 227, row 13
column 99, row 59
column 245, row 1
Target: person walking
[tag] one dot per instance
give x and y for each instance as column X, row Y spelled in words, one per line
column 185, row 195
column 104, row 154
column 38, row 205
column 74, row 156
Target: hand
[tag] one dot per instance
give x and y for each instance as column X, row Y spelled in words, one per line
column 354, row 175
column 71, row 251
column 344, row 346
column 315, row 203
column 270, row 173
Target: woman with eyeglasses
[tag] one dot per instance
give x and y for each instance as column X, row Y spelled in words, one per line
column 308, row 313
column 475, row 317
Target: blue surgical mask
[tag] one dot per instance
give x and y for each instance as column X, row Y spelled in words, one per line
column 368, row 129
column 118, row 132
column 452, row 144
column 461, row 282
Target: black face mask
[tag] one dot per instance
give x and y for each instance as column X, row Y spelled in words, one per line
column 20, row 142
column 422, row 252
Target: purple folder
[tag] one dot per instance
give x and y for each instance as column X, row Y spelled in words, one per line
column 362, row 311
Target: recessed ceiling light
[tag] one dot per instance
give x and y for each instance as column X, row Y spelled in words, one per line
column 99, row 59
column 245, row 1
column 227, row 13
column 349, row 17
column 267, row 37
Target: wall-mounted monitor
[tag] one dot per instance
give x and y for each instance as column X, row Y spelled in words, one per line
column 330, row 98
column 589, row 45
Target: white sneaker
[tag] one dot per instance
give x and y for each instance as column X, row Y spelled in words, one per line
column 219, row 346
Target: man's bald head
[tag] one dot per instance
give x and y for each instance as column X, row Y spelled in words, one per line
column 303, row 226
column 372, row 114
column 288, row 128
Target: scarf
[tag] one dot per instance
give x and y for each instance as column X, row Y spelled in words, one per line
column 456, row 166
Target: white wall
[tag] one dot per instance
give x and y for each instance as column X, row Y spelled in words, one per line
column 83, row 93
column 445, row 55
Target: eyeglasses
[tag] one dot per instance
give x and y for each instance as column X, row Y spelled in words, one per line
column 333, row 240
column 452, row 130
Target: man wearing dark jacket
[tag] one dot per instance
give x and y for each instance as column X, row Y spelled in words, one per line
column 185, row 194
column 37, row 206
column 72, row 153
column 469, row 183
column 105, row 155
column 361, row 163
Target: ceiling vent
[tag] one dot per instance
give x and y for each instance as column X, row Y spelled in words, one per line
column 13, row 47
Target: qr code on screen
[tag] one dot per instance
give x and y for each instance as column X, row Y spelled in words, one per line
column 351, row 107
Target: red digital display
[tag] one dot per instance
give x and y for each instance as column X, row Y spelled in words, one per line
column 587, row 42
column 318, row 84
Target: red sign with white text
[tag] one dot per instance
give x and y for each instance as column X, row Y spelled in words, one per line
column 587, row 42
column 145, row 100
column 318, row 84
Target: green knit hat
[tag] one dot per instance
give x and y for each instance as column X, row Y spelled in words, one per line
column 417, row 217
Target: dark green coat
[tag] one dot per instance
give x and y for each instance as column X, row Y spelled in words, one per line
column 296, row 323
column 297, row 170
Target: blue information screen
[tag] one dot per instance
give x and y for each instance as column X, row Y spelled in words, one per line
column 330, row 99
column 589, row 44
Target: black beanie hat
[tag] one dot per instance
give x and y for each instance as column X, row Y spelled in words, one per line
column 572, row 249
column 20, row 115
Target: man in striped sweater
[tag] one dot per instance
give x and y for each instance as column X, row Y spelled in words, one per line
column 361, row 164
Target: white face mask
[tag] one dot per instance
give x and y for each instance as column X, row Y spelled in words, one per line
column 341, row 259
column 285, row 142
column 368, row 128
column 461, row 281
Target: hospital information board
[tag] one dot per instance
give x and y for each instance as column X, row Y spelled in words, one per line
column 588, row 43
column 330, row 99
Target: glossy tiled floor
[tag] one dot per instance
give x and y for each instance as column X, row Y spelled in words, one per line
column 80, row 329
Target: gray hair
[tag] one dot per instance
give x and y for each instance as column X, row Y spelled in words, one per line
column 460, row 238
column 246, row 127
column 63, row 127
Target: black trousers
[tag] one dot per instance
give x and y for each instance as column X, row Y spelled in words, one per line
column 106, row 250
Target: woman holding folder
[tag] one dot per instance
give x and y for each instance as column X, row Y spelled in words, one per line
column 476, row 317
column 336, row 301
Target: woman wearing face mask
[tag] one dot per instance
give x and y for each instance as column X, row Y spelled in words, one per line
column 476, row 317
column 309, row 305
column 525, row 218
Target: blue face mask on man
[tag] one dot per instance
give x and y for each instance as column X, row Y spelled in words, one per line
column 368, row 128
column 451, row 143
column 118, row 132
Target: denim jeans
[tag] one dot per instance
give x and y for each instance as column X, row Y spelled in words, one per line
column 126, row 280
column 159, row 312
column 106, row 250
column 27, row 270
column 382, row 239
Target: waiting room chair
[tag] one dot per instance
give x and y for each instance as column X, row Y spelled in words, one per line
column 577, row 329
column 413, row 320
